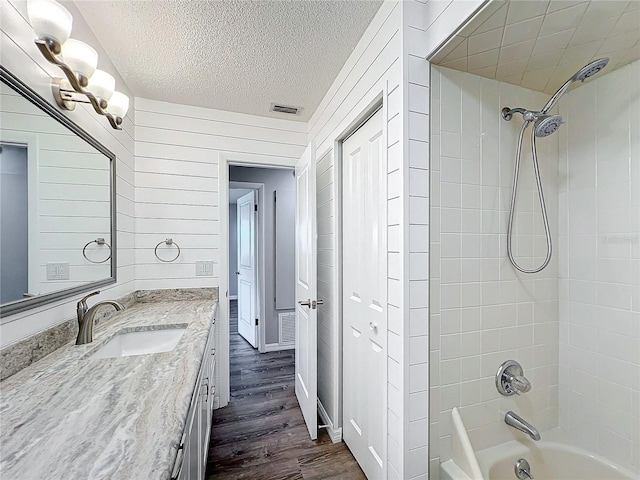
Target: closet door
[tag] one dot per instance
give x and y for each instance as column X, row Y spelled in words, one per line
column 365, row 297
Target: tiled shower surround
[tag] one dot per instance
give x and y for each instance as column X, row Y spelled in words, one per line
column 575, row 326
column 482, row 311
column 599, row 230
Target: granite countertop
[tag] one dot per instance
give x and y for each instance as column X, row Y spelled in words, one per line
column 69, row 416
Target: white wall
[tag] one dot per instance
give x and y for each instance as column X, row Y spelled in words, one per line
column 373, row 68
column 19, row 55
column 390, row 55
column 484, row 312
column 177, row 184
column 178, row 191
column 600, row 265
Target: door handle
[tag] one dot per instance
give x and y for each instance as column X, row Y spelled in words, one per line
column 315, row 303
column 373, row 326
column 237, row 273
column 305, row 303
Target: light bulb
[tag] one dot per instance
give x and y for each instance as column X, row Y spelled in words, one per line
column 50, row 20
column 102, row 85
column 118, row 105
column 80, row 57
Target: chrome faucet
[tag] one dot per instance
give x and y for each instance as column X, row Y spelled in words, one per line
column 86, row 315
column 521, row 424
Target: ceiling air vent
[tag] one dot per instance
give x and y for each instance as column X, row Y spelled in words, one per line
column 276, row 107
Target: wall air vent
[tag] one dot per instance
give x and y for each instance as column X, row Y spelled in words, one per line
column 287, row 324
column 276, row 107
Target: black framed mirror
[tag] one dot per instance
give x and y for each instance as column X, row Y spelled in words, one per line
column 57, row 203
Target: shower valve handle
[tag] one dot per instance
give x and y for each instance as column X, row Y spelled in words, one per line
column 510, row 379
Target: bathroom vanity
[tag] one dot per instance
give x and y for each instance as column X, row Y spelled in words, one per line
column 103, row 410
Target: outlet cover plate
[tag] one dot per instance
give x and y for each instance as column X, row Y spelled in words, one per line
column 57, row 271
column 204, row 268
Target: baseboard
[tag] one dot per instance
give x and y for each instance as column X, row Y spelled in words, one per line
column 276, row 347
column 233, row 297
column 334, row 433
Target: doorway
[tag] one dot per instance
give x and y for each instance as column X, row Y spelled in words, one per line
column 261, row 255
column 14, row 242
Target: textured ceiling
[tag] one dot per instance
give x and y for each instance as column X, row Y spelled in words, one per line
column 230, row 55
column 540, row 44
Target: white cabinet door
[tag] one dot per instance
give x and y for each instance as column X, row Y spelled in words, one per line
column 198, row 425
column 247, row 283
column 306, row 313
column 365, row 297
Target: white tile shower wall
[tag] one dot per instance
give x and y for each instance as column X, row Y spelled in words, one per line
column 482, row 311
column 176, row 179
column 19, row 55
column 600, row 266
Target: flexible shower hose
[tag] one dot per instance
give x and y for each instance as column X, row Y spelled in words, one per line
column 543, row 208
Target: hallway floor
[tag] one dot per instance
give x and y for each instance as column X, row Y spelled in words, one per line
column 261, row 433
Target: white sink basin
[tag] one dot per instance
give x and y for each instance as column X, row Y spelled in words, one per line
column 140, row 343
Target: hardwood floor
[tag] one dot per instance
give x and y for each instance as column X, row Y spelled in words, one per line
column 261, row 433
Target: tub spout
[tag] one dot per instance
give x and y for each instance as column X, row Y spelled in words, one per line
column 521, row 424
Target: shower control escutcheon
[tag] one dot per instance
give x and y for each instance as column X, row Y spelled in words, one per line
column 510, row 379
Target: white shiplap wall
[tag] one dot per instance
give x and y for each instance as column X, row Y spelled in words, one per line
column 177, row 188
column 372, row 70
column 178, row 193
column 390, row 54
column 19, row 55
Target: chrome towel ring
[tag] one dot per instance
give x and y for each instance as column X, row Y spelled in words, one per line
column 168, row 241
column 97, row 241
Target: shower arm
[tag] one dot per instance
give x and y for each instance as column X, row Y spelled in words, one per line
column 556, row 96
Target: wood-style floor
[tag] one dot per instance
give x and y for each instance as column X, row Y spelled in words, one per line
column 261, row 433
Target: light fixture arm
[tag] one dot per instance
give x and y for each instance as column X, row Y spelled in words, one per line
column 66, row 98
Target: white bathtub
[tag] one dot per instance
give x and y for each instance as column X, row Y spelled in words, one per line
column 549, row 460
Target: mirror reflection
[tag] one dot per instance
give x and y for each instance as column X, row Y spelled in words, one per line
column 55, row 205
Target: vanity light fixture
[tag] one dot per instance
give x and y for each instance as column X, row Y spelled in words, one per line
column 77, row 60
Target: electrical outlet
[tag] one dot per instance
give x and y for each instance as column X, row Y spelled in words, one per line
column 204, row 268
column 57, row 271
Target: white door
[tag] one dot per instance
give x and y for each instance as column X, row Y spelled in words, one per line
column 365, row 297
column 306, row 306
column 247, row 283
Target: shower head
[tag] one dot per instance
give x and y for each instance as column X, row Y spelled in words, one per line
column 545, row 125
column 590, row 69
column 581, row 75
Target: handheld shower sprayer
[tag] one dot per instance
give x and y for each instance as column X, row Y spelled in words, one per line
column 544, row 125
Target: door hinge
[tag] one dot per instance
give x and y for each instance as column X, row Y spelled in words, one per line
column 256, row 322
column 255, row 207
